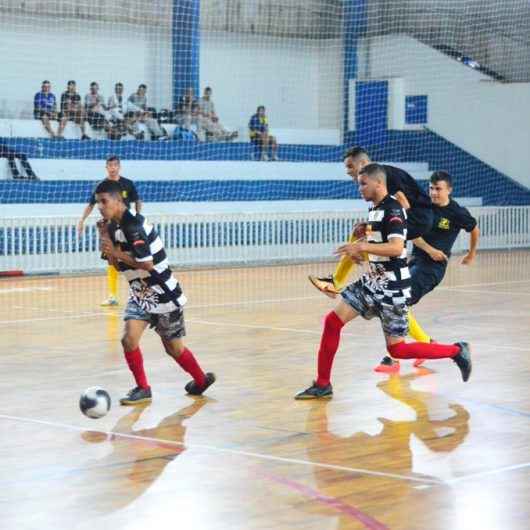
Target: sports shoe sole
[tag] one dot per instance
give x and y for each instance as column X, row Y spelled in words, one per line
column 385, row 369
column 308, row 398
column 328, row 291
column 135, row 401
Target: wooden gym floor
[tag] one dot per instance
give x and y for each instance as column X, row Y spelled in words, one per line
column 418, row 451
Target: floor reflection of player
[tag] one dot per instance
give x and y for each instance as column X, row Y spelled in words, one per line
column 133, row 466
column 387, row 452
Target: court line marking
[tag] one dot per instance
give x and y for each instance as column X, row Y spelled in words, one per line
column 331, row 502
column 10, row 290
column 485, row 284
column 476, row 291
column 227, row 450
column 481, row 474
column 235, row 304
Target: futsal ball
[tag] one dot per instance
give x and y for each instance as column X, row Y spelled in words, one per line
column 94, row 402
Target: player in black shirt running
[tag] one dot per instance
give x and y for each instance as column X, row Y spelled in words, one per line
column 407, row 192
column 381, row 292
column 130, row 195
column 432, row 251
column 155, row 296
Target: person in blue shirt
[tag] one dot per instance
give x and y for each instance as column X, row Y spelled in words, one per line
column 45, row 107
column 259, row 135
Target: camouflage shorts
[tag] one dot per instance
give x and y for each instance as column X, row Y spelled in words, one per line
column 393, row 318
column 168, row 325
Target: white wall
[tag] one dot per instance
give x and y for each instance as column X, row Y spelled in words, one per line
column 488, row 119
column 38, row 48
column 298, row 80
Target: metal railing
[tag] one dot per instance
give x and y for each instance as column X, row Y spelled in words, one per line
column 46, row 244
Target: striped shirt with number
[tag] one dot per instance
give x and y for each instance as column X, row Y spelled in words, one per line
column 156, row 291
column 388, row 278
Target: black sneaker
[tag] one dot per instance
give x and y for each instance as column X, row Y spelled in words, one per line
column 137, row 395
column 194, row 389
column 316, row 392
column 463, row 359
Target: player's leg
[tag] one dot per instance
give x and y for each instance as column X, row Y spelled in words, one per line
column 352, row 304
column 171, row 328
column 136, row 320
column 332, row 285
column 395, row 327
column 423, row 280
column 112, row 284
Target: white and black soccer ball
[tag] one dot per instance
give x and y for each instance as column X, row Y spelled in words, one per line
column 94, row 402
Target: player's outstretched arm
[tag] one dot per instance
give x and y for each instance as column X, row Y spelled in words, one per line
column 355, row 251
column 434, row 253
column 473, row 245
column 86, row 212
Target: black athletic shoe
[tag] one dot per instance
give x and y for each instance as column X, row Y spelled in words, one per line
column 136, row 395
column 194, row 389
column 463, row 359
column 316, row 392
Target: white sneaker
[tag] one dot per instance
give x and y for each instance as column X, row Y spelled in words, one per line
column 110, row 301
column 275, row 158
column 264, row 158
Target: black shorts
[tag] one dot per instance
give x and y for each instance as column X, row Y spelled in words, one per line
column 419, row 222
column 424, row 277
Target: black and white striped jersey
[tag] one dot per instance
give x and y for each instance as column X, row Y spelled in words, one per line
column 387, row 278
column 155, row 291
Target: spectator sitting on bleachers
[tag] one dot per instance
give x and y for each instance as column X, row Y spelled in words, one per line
column 45, row 107
column 183, row 110
column 5, row 152
column 259, row 135
column 72, row 109
column 96, row 112
column 210, row 121
column 137, row 104
column 122, row 123
column 191, row 122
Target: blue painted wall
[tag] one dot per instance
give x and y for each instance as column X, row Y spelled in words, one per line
column 473, row 178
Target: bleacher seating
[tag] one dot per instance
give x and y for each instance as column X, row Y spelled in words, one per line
column 18, row 128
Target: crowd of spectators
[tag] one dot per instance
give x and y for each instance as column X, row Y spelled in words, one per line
column 120, row 117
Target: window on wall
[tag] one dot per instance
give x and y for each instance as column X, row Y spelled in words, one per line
column 415, row 110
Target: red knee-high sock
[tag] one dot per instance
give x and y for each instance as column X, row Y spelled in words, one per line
column 329, row 344
column 422, row 350
column 136, row 365
column 189, row 364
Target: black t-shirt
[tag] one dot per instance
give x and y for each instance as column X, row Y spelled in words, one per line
column 128, row 192
column 448, row 221
column 68, row 99
column 399, row 180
